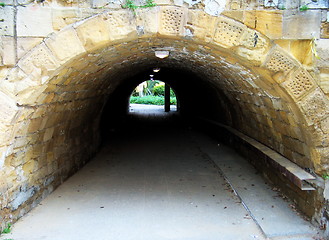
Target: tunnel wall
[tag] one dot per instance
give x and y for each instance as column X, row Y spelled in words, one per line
column 56, row 78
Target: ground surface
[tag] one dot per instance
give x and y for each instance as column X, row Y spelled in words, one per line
column 157, row 181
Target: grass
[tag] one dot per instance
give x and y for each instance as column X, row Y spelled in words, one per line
column 151, row 100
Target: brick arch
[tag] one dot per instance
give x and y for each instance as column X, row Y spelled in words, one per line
column 52, row 92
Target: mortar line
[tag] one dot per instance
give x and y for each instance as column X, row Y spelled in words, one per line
column 15, row 31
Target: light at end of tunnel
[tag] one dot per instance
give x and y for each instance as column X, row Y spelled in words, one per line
column 161, row 54
column 156, row 70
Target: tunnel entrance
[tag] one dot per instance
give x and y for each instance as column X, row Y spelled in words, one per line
column 73, row 93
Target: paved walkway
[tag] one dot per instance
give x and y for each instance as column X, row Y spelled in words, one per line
column 161, row 181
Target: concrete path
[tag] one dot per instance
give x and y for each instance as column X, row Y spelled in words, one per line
column 156, row 181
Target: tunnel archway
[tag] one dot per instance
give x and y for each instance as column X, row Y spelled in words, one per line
column 55, row 95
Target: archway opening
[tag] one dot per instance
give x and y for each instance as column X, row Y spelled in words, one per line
column 153, row 95
column 97, row 87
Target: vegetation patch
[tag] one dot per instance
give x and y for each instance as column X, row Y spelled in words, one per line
column 151, row 100
column 7, row 229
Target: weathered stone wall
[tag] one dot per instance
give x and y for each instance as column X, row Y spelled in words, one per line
column 62, row 59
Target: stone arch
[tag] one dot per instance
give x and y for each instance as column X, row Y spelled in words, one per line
column 52, row 98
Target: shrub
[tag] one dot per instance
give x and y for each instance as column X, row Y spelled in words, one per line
column 151, row 100
column 159, row 90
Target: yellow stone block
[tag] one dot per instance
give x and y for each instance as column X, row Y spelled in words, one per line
column 63, row 17
column 121, row 24
column 39, row 63
column 302, row 51
column 65, row 45
column 148, row 21
column 8, row 108
column 35, row 125
column 325, row 125
column 29, row 167
column 94, row 32
column 48, row 134
column 172, row 20
column 201, row 25
column 24, row 44
column 324, row 82
column 268, row 23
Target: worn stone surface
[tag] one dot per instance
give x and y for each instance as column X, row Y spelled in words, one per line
column 61, row 17
column 93, row 33
column 7, row 21
column 29, row 19
column 315, row 106
column 65, row 45
column 269, row 23
column 24, row 44
column 301, row 25
column 39, row 63
column 9, row 51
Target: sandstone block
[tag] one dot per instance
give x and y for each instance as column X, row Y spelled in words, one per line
column 122, row 24
column 148, row 20
column 29, row 167
column 106, row 4
column 325, row 125
column 24, row 44
column 324, row 30
column 315, row 106
column 48, row 134
column 39, row 63
column 93, row 33
column 61, row 17
column 324, row 82
column 8, row 109
column 299, row 84
column 301, row 25
column 268, row 23
column 228, row 32
column 172, row 21
column 200, row 24
column 322, row 48
column 29, row 19
column 9, row 51
column 7, row 21
column 253, row 47
column 65, row 45
column 30, row 95
column 279, row 61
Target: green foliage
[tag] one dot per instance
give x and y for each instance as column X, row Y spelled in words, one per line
column 7, row 229
column 159, row 90
column 151, row 100
column 132, row 6
column 303, row 8
column 325, row 176
column 149, row 3
column 2, row 4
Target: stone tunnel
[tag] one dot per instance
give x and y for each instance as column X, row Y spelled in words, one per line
column 258, row 67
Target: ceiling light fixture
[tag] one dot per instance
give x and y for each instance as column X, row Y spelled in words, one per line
column 161, row 54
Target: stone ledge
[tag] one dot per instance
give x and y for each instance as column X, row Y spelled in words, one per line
column 282, row 165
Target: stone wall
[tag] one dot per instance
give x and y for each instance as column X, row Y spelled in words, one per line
column 62, row 59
